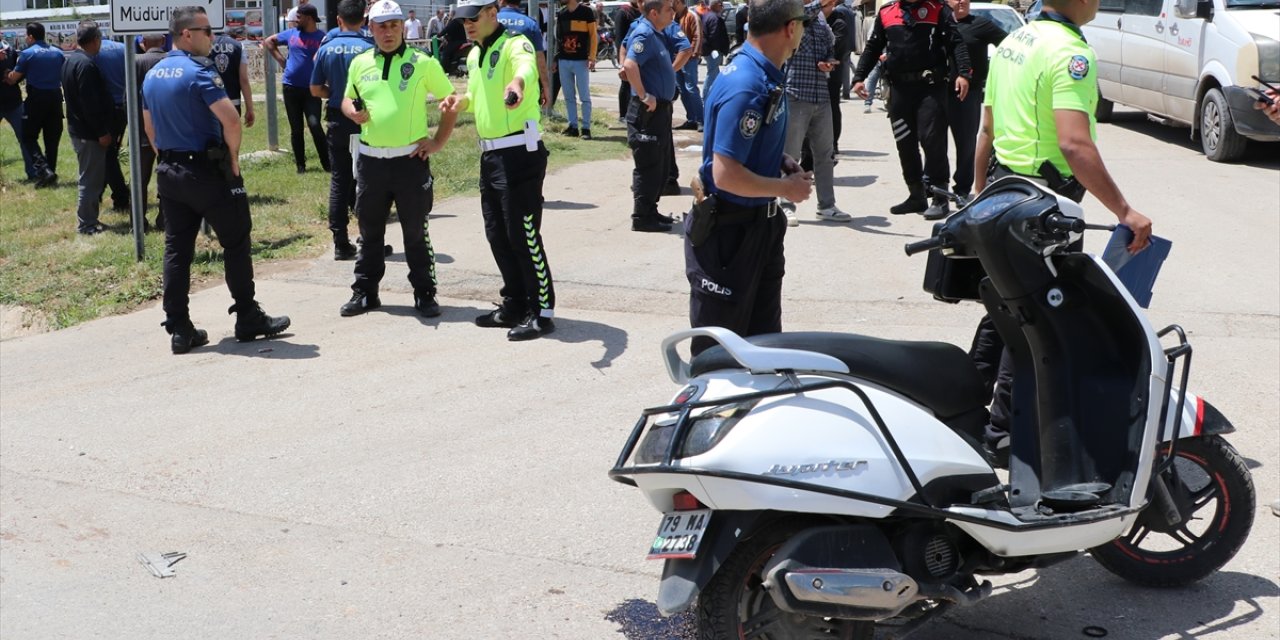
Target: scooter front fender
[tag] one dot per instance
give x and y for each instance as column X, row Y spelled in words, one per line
column 1199, row 418
column 683, row 580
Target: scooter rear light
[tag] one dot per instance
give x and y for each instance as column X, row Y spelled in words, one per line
column 684, row 501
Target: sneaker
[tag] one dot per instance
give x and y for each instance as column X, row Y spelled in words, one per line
column 94, row 230
column 834, row 214
column 359, row 303
column 498, row 318
column 426, row 305
column 531, row 327
column 649, row 225
column 49, row 180
column 938, row 209
column 586, row 134
column 183, row 336
column 254, row 322
column 688, row 125
column 345, row 251
column 699, row 127
column 302, row 170
column 571, row 132
column 792, row 220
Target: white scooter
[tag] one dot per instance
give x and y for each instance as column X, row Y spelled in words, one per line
column 821, row 484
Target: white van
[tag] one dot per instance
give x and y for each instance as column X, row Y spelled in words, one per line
column 1187, row 62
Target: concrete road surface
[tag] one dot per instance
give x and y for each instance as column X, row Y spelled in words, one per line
column 387, row 476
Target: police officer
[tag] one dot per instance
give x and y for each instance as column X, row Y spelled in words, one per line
column 386, row 94
column 232, row 66
column 1038, row 120
column 196, row 132
column 650, row 73
column 502, row 92
column 110, row 61
column 513, row 19
column 41, row 65
column 920, row 38
column 329, row 82
column 733, row 239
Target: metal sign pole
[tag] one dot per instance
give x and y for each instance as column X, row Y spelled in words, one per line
column 134, row 111
column 269, row 68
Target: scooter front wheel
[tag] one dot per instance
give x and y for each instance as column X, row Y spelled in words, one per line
column 735, row 606
column 1215, row 498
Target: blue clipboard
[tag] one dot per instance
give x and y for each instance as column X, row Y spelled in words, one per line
column 1137, row 272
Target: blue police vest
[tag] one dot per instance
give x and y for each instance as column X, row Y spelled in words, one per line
column 41, row 64
column 226, row 55
column 652, row 52
column 746, row 119
column 178, row 92
column 516, row 21
column 334, row 59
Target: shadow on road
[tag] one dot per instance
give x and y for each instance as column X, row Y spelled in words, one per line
column 567, row 206
column 640, row 620
column 277, row 348
column 853, row 181
column 1214, row 606
column 861, row 224
column 1259, row 155
column 613, row 339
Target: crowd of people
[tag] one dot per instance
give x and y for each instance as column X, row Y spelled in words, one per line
column 768, row 111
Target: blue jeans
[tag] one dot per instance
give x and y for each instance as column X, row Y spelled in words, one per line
column 872, row 79
column 687, row 79
column 713, row 72
column 14, row 116
column 575, row 80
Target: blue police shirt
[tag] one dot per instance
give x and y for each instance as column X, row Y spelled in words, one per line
column 140, row 48
column 41, row 64
column 740, row 123
column 110, row 61
column 677, row 41
column 334, row 59
column 514, row 20
column 333, row 33
column 302, row 48
column 178, row 92
column 652, row 52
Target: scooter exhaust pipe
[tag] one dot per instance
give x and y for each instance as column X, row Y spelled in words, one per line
column 853, row 594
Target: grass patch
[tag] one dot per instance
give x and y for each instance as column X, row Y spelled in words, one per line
column 46, row 267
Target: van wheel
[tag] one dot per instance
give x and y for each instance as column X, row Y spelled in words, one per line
column 1103, row 112
column 1218, row 134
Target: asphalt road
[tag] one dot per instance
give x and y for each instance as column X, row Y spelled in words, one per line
column 392, row 477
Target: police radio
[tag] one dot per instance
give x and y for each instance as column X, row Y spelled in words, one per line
column 358, row 103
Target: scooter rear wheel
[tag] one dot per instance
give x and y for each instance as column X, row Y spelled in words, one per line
column 735, row 606
column 1214, row 496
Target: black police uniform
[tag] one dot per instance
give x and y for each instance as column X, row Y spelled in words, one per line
column 649, row 132
column 920, row 39
column 733, row 244
column 194, row 181
column 41, row 66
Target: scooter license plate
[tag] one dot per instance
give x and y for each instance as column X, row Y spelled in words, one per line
column 679, row 534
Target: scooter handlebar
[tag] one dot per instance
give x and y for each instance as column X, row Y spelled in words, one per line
column 928, row 244
column 1056, row 222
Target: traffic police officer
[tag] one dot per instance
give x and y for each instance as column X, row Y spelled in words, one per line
column 41, row 65
column 733, row 239
column 1038, row 119
column 652, row 78
column 196, row 131
column 386, row 94
column 920, row 38
column 503, row 93
column 329, row 81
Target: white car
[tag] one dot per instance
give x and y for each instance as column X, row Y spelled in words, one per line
column 1005, row 17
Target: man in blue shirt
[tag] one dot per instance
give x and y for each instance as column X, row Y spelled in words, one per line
column 733, row 238
column 110, row 61
column 40, row 64
column 329, row 81
column 11, row 105
column 513, row 19
column 649, row 71
column 196, row 131
column 681, row 56
column 302, row 108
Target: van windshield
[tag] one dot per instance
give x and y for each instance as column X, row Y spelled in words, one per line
column 1253, row 4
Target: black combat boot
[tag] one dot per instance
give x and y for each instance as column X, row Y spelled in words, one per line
column 915, row 203
column 184, row 336
column 342, row 247
column 938, row 210
column 252, row 322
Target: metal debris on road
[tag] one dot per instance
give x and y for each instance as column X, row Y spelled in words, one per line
column 161, row 564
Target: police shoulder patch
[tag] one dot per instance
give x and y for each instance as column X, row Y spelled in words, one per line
column 749, row 124
column 638, row 46
column 1078, row 67
column 217, row 81
column 528, row 46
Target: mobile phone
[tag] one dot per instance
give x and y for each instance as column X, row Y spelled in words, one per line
column 1266, row 84
column 511, row 98
column 1262, row 97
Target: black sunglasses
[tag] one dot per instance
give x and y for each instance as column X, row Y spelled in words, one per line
column 208, row 31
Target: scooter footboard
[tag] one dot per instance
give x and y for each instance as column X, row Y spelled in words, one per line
column 683, row 580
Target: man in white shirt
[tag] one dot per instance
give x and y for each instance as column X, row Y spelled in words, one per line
column 412, row 27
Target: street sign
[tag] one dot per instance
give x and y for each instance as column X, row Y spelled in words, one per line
column 152, row 16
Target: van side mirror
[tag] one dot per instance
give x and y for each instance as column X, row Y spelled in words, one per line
column 1204, row 9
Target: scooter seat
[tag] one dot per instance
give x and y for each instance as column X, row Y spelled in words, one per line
column 938, row 375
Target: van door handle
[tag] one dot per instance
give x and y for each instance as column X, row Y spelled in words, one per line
column 1173, row 29
column 1160, row 27
column 1118, row 24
